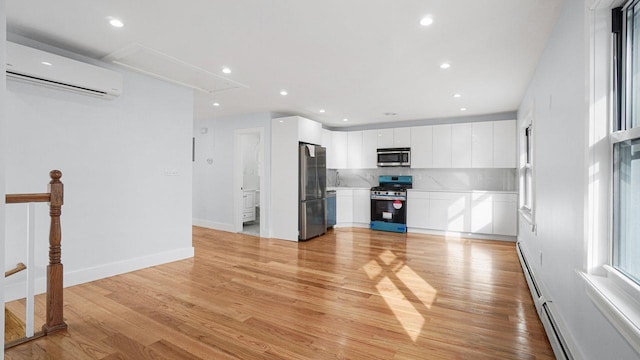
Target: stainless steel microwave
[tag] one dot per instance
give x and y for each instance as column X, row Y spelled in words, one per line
column 394, row 157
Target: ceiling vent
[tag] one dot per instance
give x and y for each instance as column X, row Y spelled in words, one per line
column 42, row 68
column 160, row 65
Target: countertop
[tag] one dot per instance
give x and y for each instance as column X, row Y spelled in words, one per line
column 426, row 190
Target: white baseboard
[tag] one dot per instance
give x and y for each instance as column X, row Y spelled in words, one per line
column 466, row 235
column 17, row 290
column 352, row 225
column 213, row 225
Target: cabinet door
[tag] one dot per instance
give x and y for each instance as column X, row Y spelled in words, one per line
column 362, row 206
column 369, row 147
column 482, row 144
column 402, row 137
column 354, row 152
column 249, row 200
column 339, row 143
column 461, row 145
column 505, row 214
column 449, row 211
column 326, row 142
column 418, row 209
column 309, row 131
column 442, row 146
column 344, row 206
column 482, row 217
column 422, row 147
column 385, row 138
column 504, row 144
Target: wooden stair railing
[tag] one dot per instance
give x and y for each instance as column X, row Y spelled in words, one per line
column 54, row 298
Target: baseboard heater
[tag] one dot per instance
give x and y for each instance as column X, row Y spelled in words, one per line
column 545, row 313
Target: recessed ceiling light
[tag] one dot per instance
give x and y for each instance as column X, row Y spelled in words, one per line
column 321, row 110
column 216, row 104
column 445, row 65
column 345, row 119
column 463, row 109
column 46, row 63
column 226, row 70
column 456, row 95
column 116, row 22
column 426, row 21
column 283, row 92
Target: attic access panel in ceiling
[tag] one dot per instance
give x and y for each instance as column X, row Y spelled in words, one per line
column 160, row 65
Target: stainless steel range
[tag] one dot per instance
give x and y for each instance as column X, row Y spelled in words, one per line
column 389, row 203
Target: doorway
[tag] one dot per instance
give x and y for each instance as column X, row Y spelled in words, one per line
column 249, row 181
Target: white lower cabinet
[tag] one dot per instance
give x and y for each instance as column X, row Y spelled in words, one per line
column 249, row 205
column 449, row 211
column 482, row 213
column 418, row 209
column 344, row 206
column 362, row 206
column 479, row 212
column 505, row 214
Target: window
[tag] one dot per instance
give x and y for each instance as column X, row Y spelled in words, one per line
column 613, row 264
column 528, row 178
column 626, row 244
column 625, row 140
column 527, row 182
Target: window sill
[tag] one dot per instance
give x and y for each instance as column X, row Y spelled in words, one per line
column 617, row 302
column 527, row 215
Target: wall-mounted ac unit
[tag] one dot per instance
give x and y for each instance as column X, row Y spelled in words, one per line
column 43, row 68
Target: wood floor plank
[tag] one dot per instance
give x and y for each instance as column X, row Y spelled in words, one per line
column 350, row 294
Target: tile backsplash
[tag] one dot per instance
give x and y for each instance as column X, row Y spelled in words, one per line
column 430, row 179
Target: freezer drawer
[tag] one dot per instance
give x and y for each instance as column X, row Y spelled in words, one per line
column 312, row 218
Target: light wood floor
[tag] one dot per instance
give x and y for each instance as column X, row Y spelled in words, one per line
column 351, row 294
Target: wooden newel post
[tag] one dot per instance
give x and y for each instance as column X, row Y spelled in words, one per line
column 55, row 304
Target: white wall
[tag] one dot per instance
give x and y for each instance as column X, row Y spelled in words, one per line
column 120, row 211
column 251, row 144
column 558, row 96
column 3, row 133
column 213, row 203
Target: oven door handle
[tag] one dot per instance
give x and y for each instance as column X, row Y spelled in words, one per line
column 381, row 197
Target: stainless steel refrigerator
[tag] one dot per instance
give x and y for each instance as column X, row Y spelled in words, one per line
column 312, row 190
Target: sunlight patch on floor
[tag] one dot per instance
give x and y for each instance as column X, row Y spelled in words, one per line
column 399, row 285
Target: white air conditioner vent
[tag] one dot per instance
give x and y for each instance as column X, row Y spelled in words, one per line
column 43, row 68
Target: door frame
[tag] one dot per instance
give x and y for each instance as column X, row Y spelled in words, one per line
column 238, row 179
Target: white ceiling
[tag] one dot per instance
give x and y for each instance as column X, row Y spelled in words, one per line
column 357, row 59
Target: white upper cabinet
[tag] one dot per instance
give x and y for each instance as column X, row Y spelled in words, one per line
column 402, row 137
column 309, row 131
column 504, row 144
column 385, row 138
column 369, row 149
column 326, row 142
column 442, row 146
column 339, row 149
column 422, row 147
column 354, row 150
column 461, row 145
column 482, row 144
column 394, row 138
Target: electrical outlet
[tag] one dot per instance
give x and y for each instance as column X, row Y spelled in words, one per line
column 171, row 172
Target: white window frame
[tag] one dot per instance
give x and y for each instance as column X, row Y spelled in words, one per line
column 612, row 292
column 527, row 161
